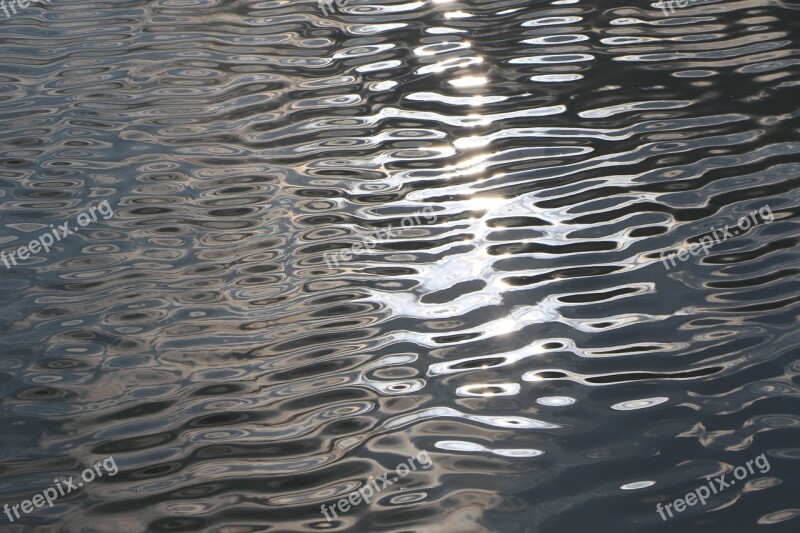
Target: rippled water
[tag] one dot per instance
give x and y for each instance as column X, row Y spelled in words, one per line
column 527, row 335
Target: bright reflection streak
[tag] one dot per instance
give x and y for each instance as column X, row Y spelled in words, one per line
column 478, row 100
column 382, row 85
column 487, row 390
column 449, row 64
column 638, row 485
column 639, row 404
column 471, row 142
column 465, row 446
column 484, row 203
column 473, row 165
column 440, row 48
column 457, row 15
column 505, row 325
column 469, row 81
column 439, row 30
column 555, row 401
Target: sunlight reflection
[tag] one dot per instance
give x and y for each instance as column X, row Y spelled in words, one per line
column 484, row 203
column 486, row 390
column 469, row 81
column 505, row 325
column 474, row 141
column 465, row 446
column 639, row 404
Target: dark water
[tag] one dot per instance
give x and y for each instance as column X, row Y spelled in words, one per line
column 527, row 336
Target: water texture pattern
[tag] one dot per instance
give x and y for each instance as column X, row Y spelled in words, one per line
column 529, row 338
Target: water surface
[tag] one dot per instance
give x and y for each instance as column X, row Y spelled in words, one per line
column 527, row 335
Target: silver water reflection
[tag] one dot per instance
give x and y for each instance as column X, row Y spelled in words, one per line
column 529, row 339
